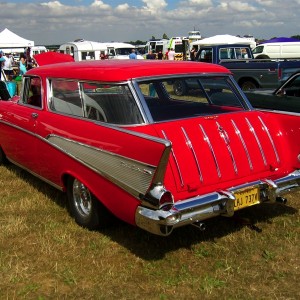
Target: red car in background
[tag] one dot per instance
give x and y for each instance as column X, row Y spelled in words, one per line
column 115, row 136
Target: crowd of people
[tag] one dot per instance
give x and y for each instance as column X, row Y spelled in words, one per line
column 13, row 68
column 169, row 55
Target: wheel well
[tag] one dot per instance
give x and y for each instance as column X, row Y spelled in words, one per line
column 65, row 179
column 3, row 158
column 262, row 56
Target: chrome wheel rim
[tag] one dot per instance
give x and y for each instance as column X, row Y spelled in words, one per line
column 82, row 198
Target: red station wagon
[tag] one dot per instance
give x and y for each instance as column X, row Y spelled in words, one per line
column 117, row 137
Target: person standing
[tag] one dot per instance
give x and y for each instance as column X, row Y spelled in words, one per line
column 8, row 65
column 132, row 55
column 193, row 53
column 160, row 55
column 150, row 55
column 2, row 59
column 171, row 54
column 166, row 54
column 22, row 64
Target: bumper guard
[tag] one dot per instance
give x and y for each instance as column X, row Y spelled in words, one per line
column 202, row 207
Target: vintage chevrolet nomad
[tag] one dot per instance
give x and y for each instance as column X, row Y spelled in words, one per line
column 116, row 137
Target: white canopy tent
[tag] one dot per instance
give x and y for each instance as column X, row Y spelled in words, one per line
column 224, row 39
column 11, row 42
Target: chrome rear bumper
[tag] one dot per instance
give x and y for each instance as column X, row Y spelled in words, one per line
column 202, row 207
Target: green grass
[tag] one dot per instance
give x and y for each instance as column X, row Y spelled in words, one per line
column 45, row 255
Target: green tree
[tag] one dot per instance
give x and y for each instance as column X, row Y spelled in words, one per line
column 296, row 37
column 165, row 36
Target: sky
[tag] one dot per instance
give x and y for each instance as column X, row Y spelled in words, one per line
column 57, row 22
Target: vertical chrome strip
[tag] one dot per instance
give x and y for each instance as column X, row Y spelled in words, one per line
column 225, row 137
column 190, row 145
column 270, row 138
column 176, row 161
column 257, row 140
column 238, row 133
column 206, row 139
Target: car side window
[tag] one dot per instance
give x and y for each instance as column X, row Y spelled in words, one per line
column 32, row 92
column 113, row 104
column 108, row 103
column 66, row 97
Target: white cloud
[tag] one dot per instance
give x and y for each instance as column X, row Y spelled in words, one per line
column 100, row 4
column 53, row 22
column 155, row 5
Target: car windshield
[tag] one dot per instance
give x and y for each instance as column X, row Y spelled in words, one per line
column 123, row 51
column 290, row 88
column 191, row 97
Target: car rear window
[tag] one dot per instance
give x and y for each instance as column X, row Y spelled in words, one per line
column 190, row 97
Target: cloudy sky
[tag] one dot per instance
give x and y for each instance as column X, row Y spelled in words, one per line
column 56, row 22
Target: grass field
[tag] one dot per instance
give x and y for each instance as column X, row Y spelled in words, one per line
column 45, row 255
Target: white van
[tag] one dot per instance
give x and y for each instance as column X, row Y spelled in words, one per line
column 83, row 50
column 277, row 50
column 117, row 50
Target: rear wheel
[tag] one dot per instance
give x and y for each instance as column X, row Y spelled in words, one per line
column 180, row 88
column 248, row 84
column 87, row 211
column 262, row 56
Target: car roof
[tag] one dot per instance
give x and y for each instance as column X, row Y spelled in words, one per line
column 123, row 70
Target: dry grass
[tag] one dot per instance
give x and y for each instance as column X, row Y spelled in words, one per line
column 45, row 255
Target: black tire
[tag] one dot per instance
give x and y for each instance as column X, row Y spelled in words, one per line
column 87, row 211
column 262, row 56
column 180, row 88
column 248, row 84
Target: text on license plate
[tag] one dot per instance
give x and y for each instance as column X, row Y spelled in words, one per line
column 246, row 198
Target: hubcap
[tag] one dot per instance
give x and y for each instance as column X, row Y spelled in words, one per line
column 82, row 198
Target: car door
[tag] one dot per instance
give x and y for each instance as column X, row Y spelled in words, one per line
column 22, row 120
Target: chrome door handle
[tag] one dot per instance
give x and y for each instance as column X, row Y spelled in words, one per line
column 34, row 115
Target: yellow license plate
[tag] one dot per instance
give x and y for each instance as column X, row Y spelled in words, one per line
column 246, row 198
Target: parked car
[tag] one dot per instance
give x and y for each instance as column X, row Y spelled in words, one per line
column 248, row 72
column 284, row 98
column 118, row 140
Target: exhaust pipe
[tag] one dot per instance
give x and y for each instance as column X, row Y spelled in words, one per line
column 281, row 200
column 200, row 226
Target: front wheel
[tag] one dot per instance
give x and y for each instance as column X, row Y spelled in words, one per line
column 84, row 207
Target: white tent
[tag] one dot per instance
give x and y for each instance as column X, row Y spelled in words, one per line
column 224, row 39
column 10, row 41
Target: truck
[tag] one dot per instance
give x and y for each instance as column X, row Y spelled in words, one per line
column 250, row 73
column 155, row 46
column 180, row 46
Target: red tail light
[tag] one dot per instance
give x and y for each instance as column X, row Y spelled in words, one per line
column 166, row 201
